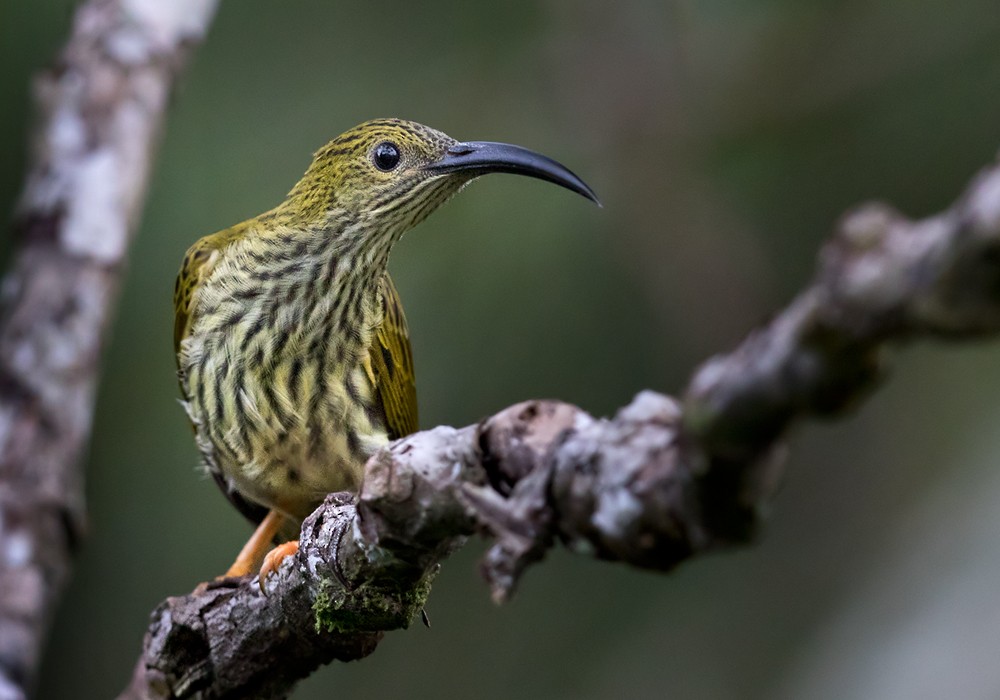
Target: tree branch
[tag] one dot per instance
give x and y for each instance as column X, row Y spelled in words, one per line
column 660, row 482
column 99, row 109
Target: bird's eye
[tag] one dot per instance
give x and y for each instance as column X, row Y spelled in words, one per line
column 386, row 156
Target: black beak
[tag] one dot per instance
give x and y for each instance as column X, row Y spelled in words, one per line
column 481, row 157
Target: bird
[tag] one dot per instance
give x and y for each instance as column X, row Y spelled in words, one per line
column 293, row 353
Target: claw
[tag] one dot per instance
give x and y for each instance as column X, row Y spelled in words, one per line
column 253, row 550
column 273, row 561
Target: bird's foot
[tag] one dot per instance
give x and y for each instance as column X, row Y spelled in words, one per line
column 273, row 560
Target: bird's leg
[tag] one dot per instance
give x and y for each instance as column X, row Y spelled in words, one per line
column 274, row 558
column 252, row 553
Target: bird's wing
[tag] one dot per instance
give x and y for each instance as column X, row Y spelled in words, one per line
column 198, row 263
column 392, row 365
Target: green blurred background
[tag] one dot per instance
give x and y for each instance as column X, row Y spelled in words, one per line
column 725, row 137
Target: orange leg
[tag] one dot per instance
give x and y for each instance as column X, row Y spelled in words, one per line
column 252, row 553
column 273, row 560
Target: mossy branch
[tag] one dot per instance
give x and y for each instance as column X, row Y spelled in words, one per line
column 660, row 482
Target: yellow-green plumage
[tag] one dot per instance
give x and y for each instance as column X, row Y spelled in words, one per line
column 293, row 352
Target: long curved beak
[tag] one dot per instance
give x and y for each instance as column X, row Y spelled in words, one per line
column 481, row 157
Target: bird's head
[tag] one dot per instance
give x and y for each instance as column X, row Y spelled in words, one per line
column 393, row 173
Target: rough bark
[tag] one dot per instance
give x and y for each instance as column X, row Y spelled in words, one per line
column 660, row 482
column 99, row 112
